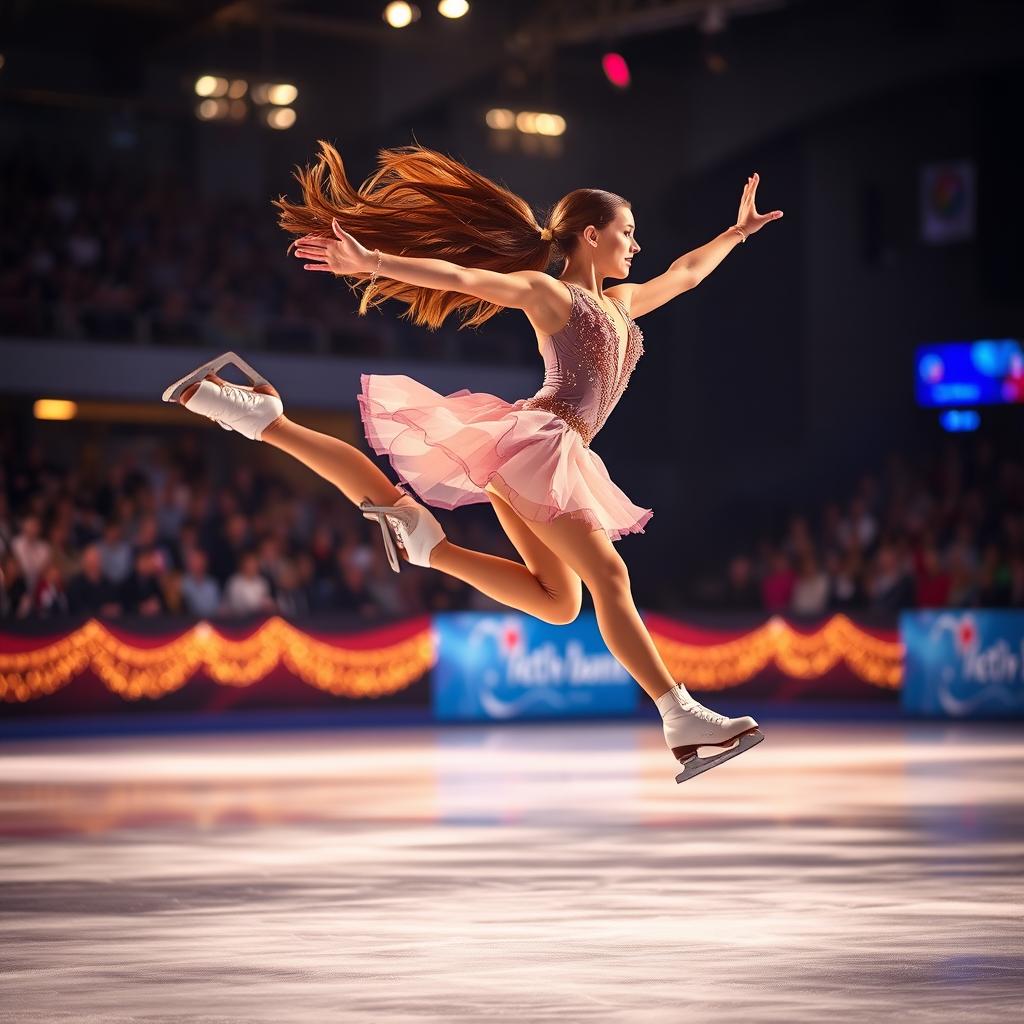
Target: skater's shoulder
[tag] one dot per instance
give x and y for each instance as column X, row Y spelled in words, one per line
column 551, row 303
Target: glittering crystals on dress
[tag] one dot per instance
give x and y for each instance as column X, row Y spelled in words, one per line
column 564, row 410
column 583, row 380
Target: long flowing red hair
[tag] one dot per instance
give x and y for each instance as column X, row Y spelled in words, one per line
column 423, row 203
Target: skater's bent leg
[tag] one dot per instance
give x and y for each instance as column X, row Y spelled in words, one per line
column 544, row 587
column 505, row 581
column 356, row 476
column 593, row 557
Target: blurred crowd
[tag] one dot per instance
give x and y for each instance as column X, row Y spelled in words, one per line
column 107, row 256
column 152, row 531
column 173, row 524
column 947, row 534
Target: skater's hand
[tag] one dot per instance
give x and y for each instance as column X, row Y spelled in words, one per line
column 339, row 255
column 749, row 221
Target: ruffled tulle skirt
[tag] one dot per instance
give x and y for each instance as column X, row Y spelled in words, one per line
column 448, row 448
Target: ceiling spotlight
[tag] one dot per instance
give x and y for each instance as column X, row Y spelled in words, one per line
column 281, row 117
column 399, row 14
column 211, row 85
column 500, row 118
column 212, row 109
column 452, row 8
column 283, row 94
column 549, row 124
column 526, row 121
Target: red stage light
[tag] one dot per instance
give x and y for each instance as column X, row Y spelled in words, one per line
column 616, row 70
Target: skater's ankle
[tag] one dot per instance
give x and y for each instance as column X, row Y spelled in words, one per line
column 439, row 552
column 668, row 702
column 270, row 428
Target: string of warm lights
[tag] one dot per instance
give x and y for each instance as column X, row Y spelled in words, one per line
column 133, row 672
column 799, row 655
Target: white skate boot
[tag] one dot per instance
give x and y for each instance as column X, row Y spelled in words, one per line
column 232, row 406
column 408, row 523
column 690, row 728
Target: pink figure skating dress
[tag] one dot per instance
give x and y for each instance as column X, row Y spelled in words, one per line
column 534, row 452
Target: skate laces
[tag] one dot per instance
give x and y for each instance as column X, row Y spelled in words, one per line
column 691, row 706
column 407, row 523
column 244, row 396
column 401, row 527
column 240, row 401
column 414, row 517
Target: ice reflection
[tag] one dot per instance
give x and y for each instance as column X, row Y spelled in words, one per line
column 541, row 873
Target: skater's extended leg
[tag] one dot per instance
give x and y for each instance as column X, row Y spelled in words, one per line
column 593, row 557
column 545, row 587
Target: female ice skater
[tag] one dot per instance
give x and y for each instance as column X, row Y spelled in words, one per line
column 433, row 234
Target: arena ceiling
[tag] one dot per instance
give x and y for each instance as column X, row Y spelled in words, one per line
column 526, row 31
column 102, row 52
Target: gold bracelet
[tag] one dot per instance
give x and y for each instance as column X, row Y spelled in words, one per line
column 377, row 271
column 737, row 228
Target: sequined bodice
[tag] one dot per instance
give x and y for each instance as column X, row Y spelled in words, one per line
column 583, row 380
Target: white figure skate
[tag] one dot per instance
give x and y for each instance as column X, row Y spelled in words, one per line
column 232, row 406
column 701, row 739
column 409, row 524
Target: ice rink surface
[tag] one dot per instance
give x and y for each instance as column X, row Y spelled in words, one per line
column 849, row 872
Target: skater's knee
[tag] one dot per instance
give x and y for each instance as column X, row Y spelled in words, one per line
column 562, row 606
column 610, row 576
column 562, row 612
column 597, row 563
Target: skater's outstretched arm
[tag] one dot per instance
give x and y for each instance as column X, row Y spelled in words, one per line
column 692, row 267
column 530, row 290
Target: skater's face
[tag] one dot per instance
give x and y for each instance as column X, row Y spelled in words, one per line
column 615, row 245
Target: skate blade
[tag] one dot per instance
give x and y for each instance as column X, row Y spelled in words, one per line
column 367, row 507
column 179, row 387
column 696, row 764
column 377, row 512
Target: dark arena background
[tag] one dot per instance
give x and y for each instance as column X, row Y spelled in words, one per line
column 248, row 773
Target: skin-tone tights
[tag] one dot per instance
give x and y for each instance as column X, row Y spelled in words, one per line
column 559, row 556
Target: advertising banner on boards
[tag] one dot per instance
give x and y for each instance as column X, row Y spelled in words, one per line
column 504, row 666
column 963, row 664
